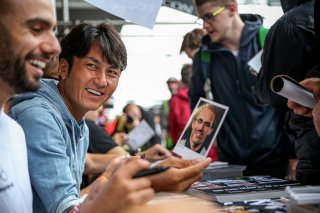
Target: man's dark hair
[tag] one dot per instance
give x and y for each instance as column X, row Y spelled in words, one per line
column 79, row 41
column 6, row 6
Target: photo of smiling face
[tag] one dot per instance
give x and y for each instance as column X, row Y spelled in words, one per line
column 202, row 126
column 202, row 129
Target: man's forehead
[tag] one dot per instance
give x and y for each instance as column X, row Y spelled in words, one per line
column 207, row 111
column 33, row 10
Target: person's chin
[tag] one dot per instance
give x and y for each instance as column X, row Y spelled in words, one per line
column 91, row 105
column 214, row 38
column 34, row 82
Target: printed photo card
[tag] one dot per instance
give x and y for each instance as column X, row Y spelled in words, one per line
column 201, row 130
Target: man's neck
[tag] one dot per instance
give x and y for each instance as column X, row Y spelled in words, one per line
column 232, row 42
column 71, row 109
column 196, row 148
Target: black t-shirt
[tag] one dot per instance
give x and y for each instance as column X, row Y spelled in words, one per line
column 99, row 140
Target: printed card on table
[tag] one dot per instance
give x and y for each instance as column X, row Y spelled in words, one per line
column 201, row 130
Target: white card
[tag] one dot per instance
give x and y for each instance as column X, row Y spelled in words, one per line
column 142, row 12
column 202, row 129
column 140, row 135
column 255, row 62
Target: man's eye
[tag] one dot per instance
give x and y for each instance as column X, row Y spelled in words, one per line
column 91, row 66
column 113, row 73
column 206, row 124
column 37, row 30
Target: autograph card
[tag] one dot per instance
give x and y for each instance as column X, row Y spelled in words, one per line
column 140, row 135
column 201, row 130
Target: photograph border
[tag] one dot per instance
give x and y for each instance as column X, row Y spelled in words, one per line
column 186, row 152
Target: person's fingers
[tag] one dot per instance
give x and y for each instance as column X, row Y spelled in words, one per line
column 201, row 165
column 114, row 165
column 312, row 84
column 163, row 151
column 156, row 158
column 303, row 111
column 157, row 152
column 132, row 167
column 191, row 175
column 195, row 169
column 316, row 118
column 178, row 162
column 184, row 185
column 298, row 109
column 132, row 158
column 291, row 104
column 174, row 162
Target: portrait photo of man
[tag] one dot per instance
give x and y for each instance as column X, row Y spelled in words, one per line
column 201, row 130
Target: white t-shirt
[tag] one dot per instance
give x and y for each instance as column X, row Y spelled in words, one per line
column 15, row 188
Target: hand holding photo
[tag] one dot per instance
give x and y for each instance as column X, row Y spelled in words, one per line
column 289, row 88
column 201, row 130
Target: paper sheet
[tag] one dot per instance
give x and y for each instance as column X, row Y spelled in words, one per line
column 142, row 12
column 255, row 62
column 140, row 135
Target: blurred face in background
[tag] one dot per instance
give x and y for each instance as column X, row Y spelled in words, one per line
column 133, row 116
column 217, row 20
column 173, row 87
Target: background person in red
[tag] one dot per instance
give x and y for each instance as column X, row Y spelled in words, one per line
column 179, row 105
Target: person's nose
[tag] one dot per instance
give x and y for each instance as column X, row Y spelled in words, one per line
column 51, row 45
column 203, row 125
column 101, row 79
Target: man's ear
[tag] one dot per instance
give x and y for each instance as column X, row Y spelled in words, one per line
column 233, row 8
column 63, row 69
